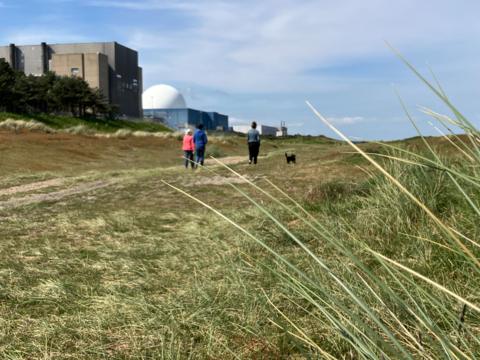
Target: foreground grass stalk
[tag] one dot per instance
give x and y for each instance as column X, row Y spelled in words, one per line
column 320, row 229
column 420, row 314
column 426, row 279
column 444, row 120
column 327, row 236
column 437, row 92
column 304, row 337
column 374, row 318
column 338, row 315
column 322, row 264
column 248, row 197
column 342, row 285
column 473, row 180
column 445, row 228
column 446, row 137
column 436, row 157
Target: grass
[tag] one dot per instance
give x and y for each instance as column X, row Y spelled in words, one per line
column 99, row 125
column 133, row 270
column 324, row 266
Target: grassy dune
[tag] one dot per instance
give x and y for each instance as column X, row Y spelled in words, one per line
column 99, row 258
column 99, row 125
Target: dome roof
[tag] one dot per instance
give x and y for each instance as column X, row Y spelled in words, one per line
column 163, row 97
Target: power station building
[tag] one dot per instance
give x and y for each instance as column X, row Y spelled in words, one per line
column 166, row 104
column 108, row 66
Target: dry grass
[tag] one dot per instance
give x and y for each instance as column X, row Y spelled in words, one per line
column 134, row 270
column 131, row 270
column 17, row 126
column 20, row 125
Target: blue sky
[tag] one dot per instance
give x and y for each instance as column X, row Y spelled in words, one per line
column 261, row 59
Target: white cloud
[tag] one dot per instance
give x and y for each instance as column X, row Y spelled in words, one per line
column 36, row 35
column 271, row 45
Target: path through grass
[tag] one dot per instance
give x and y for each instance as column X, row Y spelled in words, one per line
column 102, row 261
column 132, row 269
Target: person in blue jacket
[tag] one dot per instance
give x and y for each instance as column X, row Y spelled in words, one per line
column 200, row 140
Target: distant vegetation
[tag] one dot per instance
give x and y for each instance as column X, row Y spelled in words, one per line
column 100, row 125
column 50, row 94
column 60, row 102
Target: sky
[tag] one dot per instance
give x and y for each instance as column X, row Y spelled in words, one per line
column 262, row 59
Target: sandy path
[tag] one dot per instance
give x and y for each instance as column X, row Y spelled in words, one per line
column 216, row 180
column 229, row 160
column 54, row 196
column 32, row 186
column 90, row 186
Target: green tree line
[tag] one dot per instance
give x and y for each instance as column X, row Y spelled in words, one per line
column 49, row 94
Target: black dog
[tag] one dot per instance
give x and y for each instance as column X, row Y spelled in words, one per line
column 291, row 158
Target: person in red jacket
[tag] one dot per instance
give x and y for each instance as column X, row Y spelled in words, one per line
column 188, row 148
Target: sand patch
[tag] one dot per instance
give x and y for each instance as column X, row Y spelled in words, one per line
column 54, row 196
column 229, row 160
column 216, row 180
column 32, row 187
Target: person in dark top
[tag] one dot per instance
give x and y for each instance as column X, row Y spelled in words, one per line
column 253, row 139
column 200, row 140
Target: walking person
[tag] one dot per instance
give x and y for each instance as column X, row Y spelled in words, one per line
column 188, row 148
column 253, row 139
column 200, row 140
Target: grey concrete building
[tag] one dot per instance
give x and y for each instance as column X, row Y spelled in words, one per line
column 109, row 66
column 265, row 130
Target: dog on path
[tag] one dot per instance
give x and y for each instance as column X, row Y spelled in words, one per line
column 291, row 158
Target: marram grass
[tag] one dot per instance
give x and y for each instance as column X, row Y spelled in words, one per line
column 397, row 280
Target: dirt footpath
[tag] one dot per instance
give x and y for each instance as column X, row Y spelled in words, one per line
column 32, row 187
column 51, row 196
column 13, row 201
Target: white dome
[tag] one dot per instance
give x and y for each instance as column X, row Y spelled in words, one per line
column 163, row 97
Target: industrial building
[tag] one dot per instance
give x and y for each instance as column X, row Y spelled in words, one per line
column 166, row 104
column 108, row 66
column 265, row 130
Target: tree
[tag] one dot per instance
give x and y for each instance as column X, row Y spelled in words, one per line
column 41, row 98
column 49, row 94
column 72, row 94
column 7, row 84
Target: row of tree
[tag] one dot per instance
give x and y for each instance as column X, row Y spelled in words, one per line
column 49, row 94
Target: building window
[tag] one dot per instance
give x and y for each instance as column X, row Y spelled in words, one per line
column 75, row 71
